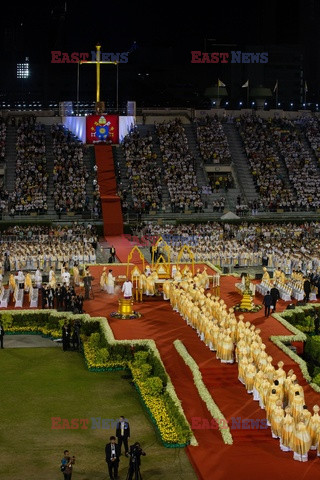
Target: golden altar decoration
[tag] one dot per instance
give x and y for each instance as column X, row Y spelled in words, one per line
column 140, row 256
column 125, row 310
column 135, row 279
column 247, row 304
column 186, row 249
column 167, row 250
column 162, row 267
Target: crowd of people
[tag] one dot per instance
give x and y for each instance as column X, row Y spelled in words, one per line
column 218, row 204
column 276, row 146
column 44, row 247
column 31, row 176
column 259, row 140
column 69, row 172
column 143, row 171
column 3, row 136
column 61, row 297
column 179, row 167
column 234, row 340
column 311, row 130
column 4, row 196
column 286, row 246
column 212, row 141
column 304, row 174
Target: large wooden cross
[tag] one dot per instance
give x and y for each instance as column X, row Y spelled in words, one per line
column 98, row 62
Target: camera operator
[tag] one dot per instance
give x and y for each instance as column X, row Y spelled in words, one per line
column 66, row 465
column 135, row 461
column 112, row 457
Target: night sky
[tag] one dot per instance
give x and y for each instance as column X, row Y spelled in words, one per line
column 164, row 32
column 43, row 26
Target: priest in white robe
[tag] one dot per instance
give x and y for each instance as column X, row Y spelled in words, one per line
column 110, row 283
column 127, row 289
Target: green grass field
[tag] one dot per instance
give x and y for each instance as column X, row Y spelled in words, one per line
column 40, row 383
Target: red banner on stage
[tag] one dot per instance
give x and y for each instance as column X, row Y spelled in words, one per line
column 102, row 128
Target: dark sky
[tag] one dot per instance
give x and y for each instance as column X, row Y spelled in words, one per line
column 46, row 25
column 165, row 32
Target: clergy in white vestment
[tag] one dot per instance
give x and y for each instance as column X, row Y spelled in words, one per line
column 66, row 278
column 127, row 289
column 20, row 278
column 38, row 278
column 110, row 283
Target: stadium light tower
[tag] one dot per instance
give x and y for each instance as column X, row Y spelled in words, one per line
column 23, row 70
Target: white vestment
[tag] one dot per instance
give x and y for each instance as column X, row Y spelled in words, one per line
column 66, row 278
column 127, row 289
column 110, row 283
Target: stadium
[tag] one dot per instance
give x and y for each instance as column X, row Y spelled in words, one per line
column 159, row 242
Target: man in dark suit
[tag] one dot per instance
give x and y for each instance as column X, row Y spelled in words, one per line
column 59, row 297
column 267, row 302
column 66, row 336
column 87, row 284
column 1, row 334
column 123, row 434
column 113, row 253
column 307, row 289
column 43, row 297
column 113, row 453
column 275, row 295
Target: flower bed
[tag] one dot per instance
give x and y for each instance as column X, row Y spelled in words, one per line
column 103, row 353
column 204, row 393
column 297, row 316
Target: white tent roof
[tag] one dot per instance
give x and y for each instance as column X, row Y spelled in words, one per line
column 229, row 216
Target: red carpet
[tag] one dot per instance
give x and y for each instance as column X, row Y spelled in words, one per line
column 123, row 247
column 110, row 201
column 254, row 453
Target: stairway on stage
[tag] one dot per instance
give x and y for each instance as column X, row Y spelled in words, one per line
column 110, row 201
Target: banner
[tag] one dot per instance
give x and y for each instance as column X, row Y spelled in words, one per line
column 102, row 128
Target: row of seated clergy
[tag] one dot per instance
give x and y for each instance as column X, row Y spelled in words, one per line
column 278, row 275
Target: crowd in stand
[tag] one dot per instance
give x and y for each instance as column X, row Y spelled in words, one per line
column 218, row 204
column 285, row 246
column 96, row 207
column 212, row 141
column 259, row 139
column 179, row 168
column 304, row 174
column 4, row 196
column 144, row 173
column 3, row 136
column 31, row 179
column 312, row 131
column 69, row 172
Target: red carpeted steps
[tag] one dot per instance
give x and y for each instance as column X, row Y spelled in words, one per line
column 110, row 201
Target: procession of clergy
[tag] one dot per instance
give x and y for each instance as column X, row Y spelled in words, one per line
column 233, row 340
